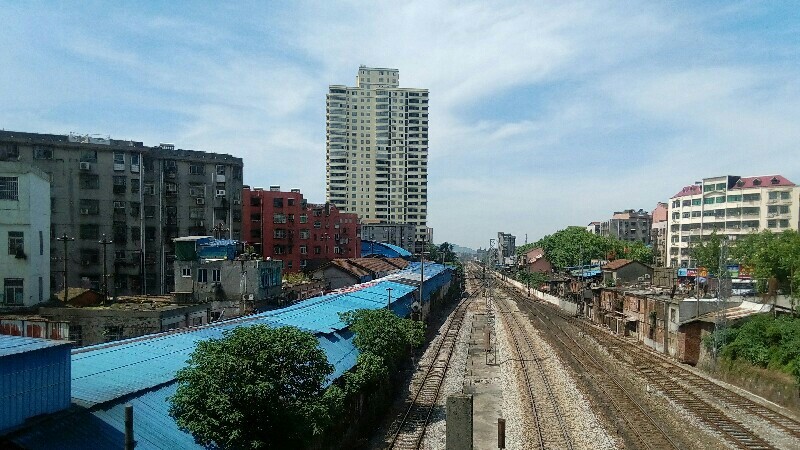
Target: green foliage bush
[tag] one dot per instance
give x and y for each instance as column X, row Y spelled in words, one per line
column 764, row 341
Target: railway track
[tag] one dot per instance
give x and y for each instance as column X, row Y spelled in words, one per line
column 643, row 428
column 411, row 428
column 550, row 423
column 656, row 369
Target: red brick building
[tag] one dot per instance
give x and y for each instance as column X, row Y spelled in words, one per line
column 283, row 225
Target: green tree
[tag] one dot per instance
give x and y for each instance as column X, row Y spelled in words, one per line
column 706, row 251
column 769, row 255
column 446, row 253
column 256, row 387
column 382, row 333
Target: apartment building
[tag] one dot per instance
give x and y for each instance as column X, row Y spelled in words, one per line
column 377, row 149
column 730, row 205
column 399, row 234
column 25, row 228
column 629, row 225
column 658, row 233
column 139, row 197
column 283, row 225
column 593, row 227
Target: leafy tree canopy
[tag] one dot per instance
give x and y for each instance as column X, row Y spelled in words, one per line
column 256, row 387
column 770, row 254
column 706, row 251
column 573, row 246
column 382, row 333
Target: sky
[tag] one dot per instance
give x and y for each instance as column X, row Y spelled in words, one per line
column 542, row 114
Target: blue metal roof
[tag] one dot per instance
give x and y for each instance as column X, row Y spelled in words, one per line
column 12, row 345
column 383, row 249
column 141, row 371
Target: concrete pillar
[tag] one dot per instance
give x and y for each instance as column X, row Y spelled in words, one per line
column 459, row 422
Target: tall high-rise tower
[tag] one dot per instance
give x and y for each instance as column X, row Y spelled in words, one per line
column 377, row 149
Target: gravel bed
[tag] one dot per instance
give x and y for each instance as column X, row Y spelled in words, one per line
column 584, row 428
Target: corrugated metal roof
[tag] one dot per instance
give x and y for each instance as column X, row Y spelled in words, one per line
column 141, row 371
column 383, row 248
column 12, row 345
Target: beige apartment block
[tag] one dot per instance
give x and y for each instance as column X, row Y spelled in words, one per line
column 377, row 149
column 731, row 205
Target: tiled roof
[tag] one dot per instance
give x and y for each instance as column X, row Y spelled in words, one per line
column 616, row 264
column 693, row 189
column 761, row 182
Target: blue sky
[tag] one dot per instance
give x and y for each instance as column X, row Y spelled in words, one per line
column 543, row 114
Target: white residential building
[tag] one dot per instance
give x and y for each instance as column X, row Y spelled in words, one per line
column 377, row 149
column 25, row 229
column 731, row 205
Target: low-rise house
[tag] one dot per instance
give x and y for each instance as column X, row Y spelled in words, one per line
column 341, row 273
column 210, row 269
column 534, row 260
column 626, row 271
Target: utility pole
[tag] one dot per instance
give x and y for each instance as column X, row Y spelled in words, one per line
column 65, row 239
column 104, row 242
column 421, row 269
column 722, row 294
column 389, row 298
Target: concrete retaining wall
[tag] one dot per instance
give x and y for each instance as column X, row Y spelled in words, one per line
column 566, row 305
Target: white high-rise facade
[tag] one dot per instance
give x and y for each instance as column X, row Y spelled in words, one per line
column 377, row 149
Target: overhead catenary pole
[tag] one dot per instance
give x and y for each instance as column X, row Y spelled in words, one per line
column 65, row 239
column 389, row 298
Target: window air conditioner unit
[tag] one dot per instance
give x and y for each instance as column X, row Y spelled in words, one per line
column 200, row 201
column 86, row 166
column 220, row 192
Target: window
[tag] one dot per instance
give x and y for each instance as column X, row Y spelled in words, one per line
column 317, row 224
column 149, row 189
column 89, row 156
column 76, row 335
column 708, row 201
column 220, row 169
column 89, row 207
column 278, row 249
column 695, row 213
column 149, row 211
column 12, row 288
column 784, row 223
column 278, row 218
column 113, row 333
column 215, row 275
column 734, row 198
column 289, row 202
column 303, row 218
column 134, row 185
column 277, row 202
column 202, row 275
column 279, row 233
column 135, row 159
column 719, row 199
column 772, row 223
column 89, row 231
column 695, row 202
column 120, row 183
column 304, row 234
column 773, row 195
column 303, row 250
column 89, row 181
column 186, row 272
column 16, row 242
column 785, row 195
column 119, row 161
column 196, row 168
column 317, row 250
column 9, row 188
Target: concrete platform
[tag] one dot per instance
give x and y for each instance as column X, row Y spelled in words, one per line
column 483, row 382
